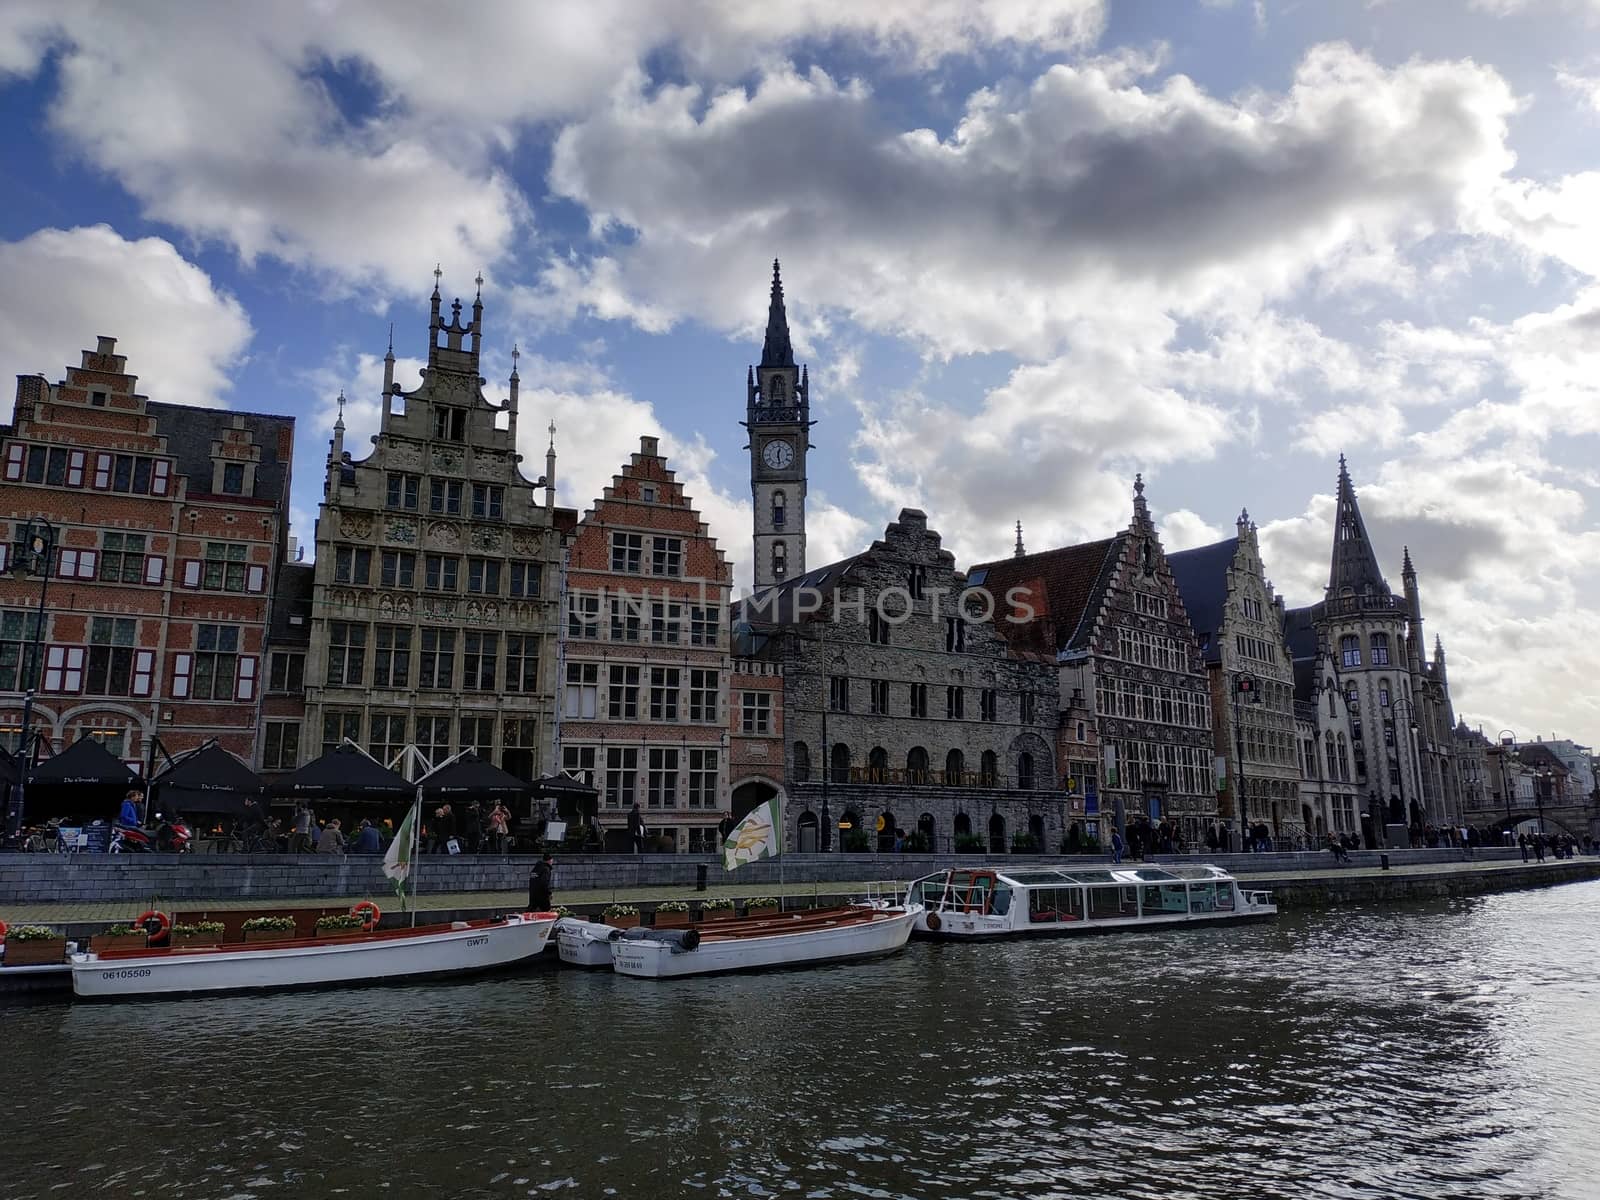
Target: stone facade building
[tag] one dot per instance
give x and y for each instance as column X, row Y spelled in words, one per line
column 755, row 737
column 645, row 665
column 1328, row 788
column 900, row 713
column 1111, row 614
column 169, row 523
column 434, row 614
column 1239, row 623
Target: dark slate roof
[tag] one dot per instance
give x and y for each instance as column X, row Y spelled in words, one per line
column 85, row 763
column 1355, row 564
column 1074, row 579
column 778, row 605
column 344, row 773
column 190, row 432
column 470, row 778
column 1202, row 578
column 208, row 780
column 291, row 599
column 1300, row 633
column 1305, row 680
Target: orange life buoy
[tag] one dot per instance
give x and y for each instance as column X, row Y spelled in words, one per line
column 162, row 923
column 933, row 921
column 368, row 911
column 4, row 929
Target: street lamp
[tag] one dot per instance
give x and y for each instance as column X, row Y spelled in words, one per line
column 1411, row 721
column 1543, row 782
column 34, row 553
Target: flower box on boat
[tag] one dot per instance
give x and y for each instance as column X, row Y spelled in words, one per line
column 252, row 936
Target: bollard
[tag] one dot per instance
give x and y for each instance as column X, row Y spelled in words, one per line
column 700, row 877
column 1383, row 861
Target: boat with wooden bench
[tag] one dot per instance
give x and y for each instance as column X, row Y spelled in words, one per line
column 1032, row 901
column 801, row 937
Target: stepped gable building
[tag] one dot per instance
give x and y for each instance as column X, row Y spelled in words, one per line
column 1112, row 614
column 1402, row 725
column 902, row 713
column 778, row 421
column 1239, row 623
column 646, row 667
column 434, row 615
column 169, row 522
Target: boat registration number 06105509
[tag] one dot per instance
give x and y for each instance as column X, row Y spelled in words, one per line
column 127, row 973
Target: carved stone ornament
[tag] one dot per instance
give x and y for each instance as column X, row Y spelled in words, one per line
column 525, row 545
column 401, row 529
column 404, row 454
column 446, row 459
column 486, row 539
column 355, row 525
column 442, row 533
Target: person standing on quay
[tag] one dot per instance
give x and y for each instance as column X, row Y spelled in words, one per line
column 1116, row 847
column 300, row 840
column 636, row 828
column 1522, row 844
column 539, row 883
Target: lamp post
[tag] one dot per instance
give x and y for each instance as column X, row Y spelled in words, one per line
column 34, row 553
column 1508, row 742
column 1244, row 690
column 1411, row 724
column 1543, row 782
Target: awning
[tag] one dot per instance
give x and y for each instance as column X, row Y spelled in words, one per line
column 207, row 780
column 344, row 773
column 85, row 763
column 470, row 778
column 553, row 787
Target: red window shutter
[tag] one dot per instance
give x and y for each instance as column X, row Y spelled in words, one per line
column 72, row 672
column 155, row 568
column 144, row 670
column 76, row 459
column 16, row 455
column 67, row 564
column 182, row 665
column 247, row 677
column 191, row 572
column 55, row 658
column 255, row 579
column 102, row 471
column 161, row 477
column 86, row 563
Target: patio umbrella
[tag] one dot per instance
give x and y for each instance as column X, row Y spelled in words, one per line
column 207, row 780
column 85, row 780
column 470, row 778
column 344, row 773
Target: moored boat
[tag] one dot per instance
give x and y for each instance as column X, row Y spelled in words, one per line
column 800, row 938
column 379, row 956
column 583, row 943
column 1028, row 901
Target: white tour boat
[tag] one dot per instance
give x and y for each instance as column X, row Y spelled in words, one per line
column 802, row 937
column 1022, row 901
column 583, row 943
column 389, row 955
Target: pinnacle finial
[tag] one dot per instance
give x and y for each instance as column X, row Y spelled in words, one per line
column 339, row 420
column 1244, row 516
column 1138, row 485
column 438, row 274
column 1020, row 552
column 479, row 282
column 515, row 355
column 552, row 434
column 391, row 339
column 777, row 351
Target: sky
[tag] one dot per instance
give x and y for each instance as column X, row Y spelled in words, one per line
column 1029, row 248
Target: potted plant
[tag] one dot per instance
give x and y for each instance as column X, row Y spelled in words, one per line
column 621, row 916
column 120, row 936
column 1024, row 843
column 672, row 914
column 268, row 929
column 720, row 906
column 561, row 910
column 969, row 843
column 339, row 925
column 761, row 906
column 35, row 946
column 855, row 841
column 200, row 933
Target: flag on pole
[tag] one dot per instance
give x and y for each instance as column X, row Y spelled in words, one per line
column 397, row 862
column 757, row 836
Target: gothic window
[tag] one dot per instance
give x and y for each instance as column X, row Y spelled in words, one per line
column 989, row 769
column 780, row 560
column 877, row 628
column 1350, row 650
column 841, row 763
column 1383, row 692
column 878, row 764
column 1380, row 649
column 916, row 765
column 775, row 389
column 955, row 766
column 916, row 581
column 780, row 502
column 1025, row 771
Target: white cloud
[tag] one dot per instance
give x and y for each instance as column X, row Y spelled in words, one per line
column 1584, row 88
column 182, row 336
column 1184, row 530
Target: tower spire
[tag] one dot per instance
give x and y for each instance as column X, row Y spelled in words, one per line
column 776, row 350
column 1355, row 564
column 1019, row 552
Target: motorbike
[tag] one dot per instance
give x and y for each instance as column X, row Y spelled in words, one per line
column 165, row 837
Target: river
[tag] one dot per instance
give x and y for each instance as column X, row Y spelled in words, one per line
column 1446, row 1049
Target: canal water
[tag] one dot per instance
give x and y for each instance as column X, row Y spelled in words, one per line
column 1430, row 1050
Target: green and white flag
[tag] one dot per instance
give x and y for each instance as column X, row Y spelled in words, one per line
column 757, row 836
column 397, row 862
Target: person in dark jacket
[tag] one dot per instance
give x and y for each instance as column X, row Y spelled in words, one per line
column 539, row 884
column 366, row 839
column 636, row 828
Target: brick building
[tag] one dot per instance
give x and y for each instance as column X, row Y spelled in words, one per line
column 1111, row 613
column 645, row 665
column 283, row 702
column 433, row 618
column 169, row 524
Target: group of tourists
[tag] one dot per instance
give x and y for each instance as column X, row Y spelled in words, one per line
column 1557, row 845
column 470, row 829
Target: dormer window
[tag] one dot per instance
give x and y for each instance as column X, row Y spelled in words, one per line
column 450, row 424
column 233, row 479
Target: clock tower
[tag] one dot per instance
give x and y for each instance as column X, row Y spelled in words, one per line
column 778, row 420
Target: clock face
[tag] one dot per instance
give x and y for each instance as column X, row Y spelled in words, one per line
column 777, row 454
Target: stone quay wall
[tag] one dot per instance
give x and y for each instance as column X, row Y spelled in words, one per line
column 90, row 878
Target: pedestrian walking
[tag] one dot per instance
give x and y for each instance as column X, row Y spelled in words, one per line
column 539, row 882
column 636, row 828
column 1116, row 846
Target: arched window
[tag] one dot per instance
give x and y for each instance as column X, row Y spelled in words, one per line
column 780, row 560
column 917, row 765
column 1380, row 649
column 1331, row 711
column 802, row 762
column 997, row 834
column 990, row 769
column 775, row 390
column 780, row 503
column 962, row 825
column 841, row 762
column 955, row 767
column 1025, row 771
column 1344, row 759
column 878, row 764
column 1081, row 730
column 1330, row 758
column 1383, row 691
column 1350, row 650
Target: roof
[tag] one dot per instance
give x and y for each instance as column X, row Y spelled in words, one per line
column 1355, row 564
column 1073, row 579
column 1300, row 633
column 190, row 431
column 776, row 350
column 779, row 604
column 1202, row 578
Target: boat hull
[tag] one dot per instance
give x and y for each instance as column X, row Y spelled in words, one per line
column 963, row 927
column 885, row 934
column 583, row 943
column 471, row 948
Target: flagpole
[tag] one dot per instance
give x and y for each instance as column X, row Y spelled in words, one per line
column 416, row 831
column 778, row 804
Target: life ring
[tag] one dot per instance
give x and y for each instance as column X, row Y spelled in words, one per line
column 370, row 913
column 4, row 929
column 162, row 923
column 933, row 922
